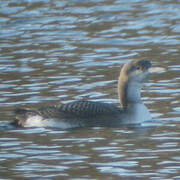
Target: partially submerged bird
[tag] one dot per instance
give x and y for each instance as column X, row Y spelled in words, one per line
column 93, row 114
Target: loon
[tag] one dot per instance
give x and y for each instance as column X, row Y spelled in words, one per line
column 84, row 113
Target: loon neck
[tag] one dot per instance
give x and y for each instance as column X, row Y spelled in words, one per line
column 129, row 92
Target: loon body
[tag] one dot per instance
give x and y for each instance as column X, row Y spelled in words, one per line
column 93, row 114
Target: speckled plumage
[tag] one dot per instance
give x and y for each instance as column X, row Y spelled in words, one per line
column 84, row 111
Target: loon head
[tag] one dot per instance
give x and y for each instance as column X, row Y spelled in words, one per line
column 131, row 79
column 135, row 71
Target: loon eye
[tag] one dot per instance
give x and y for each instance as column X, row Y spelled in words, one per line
column 138, row 67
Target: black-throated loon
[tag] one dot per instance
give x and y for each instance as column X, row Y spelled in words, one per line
column 93, row 114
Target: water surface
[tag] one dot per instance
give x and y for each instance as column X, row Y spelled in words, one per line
column 53, row 51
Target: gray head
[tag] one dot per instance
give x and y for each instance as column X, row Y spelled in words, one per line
column 136, row 71
column 131, row 79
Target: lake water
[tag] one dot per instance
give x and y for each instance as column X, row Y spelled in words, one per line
column 53, row 51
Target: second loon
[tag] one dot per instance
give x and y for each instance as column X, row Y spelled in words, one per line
column 96, row 114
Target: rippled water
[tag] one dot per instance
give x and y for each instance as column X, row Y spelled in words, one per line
column 54, row 51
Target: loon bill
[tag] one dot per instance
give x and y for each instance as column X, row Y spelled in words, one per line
column 93, row 114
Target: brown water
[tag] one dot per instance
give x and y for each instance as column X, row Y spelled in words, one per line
column 54, row 51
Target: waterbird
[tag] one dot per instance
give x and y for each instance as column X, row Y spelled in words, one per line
column 84, row 113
